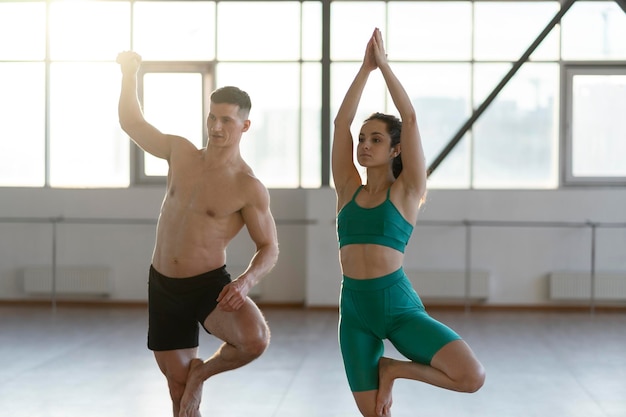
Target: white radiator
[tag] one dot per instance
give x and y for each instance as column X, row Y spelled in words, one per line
column 449, row 283
column 577, row 286
column 70, row 280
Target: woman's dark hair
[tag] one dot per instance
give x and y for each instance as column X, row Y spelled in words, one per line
column 394, row 128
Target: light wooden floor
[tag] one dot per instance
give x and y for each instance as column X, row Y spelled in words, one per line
column 92, row 362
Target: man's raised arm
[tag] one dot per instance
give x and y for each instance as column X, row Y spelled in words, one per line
column 131, row 118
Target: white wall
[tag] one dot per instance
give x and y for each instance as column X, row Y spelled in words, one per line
column 518, row 258
column 126, row 247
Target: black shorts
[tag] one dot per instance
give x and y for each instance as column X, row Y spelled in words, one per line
column 176, row 307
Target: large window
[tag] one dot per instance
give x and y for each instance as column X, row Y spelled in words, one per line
column 59, row 89
column 595, row 136
column 452, row 55
column 59, row 86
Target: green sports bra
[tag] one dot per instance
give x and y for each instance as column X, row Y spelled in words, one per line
column 381, row 225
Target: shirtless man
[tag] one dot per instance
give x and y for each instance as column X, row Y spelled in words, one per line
column 211, row 194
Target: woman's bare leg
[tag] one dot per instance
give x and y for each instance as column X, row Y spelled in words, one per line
column 366, row 401
column 453, row 367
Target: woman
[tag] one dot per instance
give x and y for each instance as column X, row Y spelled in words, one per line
column 374, row 223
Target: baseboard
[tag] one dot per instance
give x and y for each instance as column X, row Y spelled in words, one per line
column 560, row 308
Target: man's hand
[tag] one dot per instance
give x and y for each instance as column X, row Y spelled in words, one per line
column 233, row 296
column 129, row 62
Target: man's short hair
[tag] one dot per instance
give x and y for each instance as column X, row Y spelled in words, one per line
column 233, row 95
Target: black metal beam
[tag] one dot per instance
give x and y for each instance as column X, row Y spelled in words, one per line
column 325, row 121
column 622, row 4
column 479, row 111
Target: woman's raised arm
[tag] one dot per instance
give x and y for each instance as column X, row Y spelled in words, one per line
column 413, row 174
column 344, row 170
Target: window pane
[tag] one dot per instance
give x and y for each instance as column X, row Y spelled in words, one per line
column 504, row 31
column 22, row 124
column 175, row 31
column 88, row 30
column 312, row 30
column 271, row 146
column 351, row 25
column 516, row 139
column 598, row 126
column 372, row 100
column 594, row 30
column 280, row 39
column 455, row 170
column 25, row 25
column 430, row 30
column 173, row 104
column 487, row 77
column 311, row 132
column 441, row 96
column 87, row 146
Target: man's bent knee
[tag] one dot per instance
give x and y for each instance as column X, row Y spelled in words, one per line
column 255, row 344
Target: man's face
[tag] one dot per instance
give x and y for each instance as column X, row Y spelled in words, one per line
column 226, row 124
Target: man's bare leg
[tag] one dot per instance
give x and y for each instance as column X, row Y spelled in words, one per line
column 245, row 335
column 175, row 366
column 191, row 406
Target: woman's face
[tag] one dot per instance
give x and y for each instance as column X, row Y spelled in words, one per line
column 374, row 146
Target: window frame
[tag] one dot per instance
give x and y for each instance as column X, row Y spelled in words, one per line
column 207, row 71
column 568, row 72
column 562, row 158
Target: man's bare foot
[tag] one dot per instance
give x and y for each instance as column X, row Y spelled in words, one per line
column 190, row 402
column 385, row 385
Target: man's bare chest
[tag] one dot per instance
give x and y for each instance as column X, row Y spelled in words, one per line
column 216, row 197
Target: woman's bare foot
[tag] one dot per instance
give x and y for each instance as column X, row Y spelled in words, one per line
column 190, row 403
column 385, row 385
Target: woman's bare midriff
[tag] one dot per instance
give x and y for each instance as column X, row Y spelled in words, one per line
column 366, row 261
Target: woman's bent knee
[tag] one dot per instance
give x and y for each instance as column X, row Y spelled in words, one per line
column 473, row 381
column 458, row 362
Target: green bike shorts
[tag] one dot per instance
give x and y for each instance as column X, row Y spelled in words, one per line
column 388, row 307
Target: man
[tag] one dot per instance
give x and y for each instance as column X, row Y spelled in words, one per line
column 211, row 194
